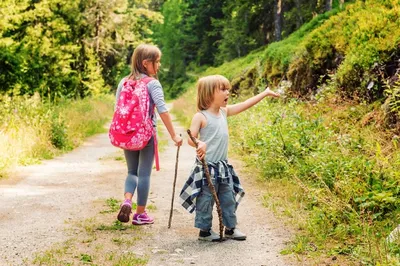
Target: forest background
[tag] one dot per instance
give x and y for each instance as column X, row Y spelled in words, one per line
column 327, row 150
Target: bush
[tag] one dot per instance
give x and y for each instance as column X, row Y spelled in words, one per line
column 349, row 178
column 392, row 104
column 348, row 43
column 32, row 129
column 58, row 134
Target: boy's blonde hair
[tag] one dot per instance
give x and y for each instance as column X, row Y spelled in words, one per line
column 143, row 52
column 206, row 87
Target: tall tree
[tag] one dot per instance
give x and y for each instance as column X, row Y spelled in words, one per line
column 300, row 19
column 119, row 25
column 188, row 38
column 68, row 48
column 278, row 19
column 246, row 26
column 328, row 5
column 170, row 36
column 199, row 22
column 46, row 47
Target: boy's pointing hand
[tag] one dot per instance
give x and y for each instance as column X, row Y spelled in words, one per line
column 272, row 93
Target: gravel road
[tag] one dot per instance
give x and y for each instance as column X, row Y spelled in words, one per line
column 38, row 203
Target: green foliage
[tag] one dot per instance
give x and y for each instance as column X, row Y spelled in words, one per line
column 86, row 258
column 42, row 43
column 209, row 32
column 115, row 28
column 95, row 243
column 187, row 39
column 131, row 259
column 279, row 56
column 248, row 25
column 116, row 226
column 68, row 49
column 113, row 205
column 393, row 102
column 339, row 155
column 31, row 129
column 170, row 35
column 237, row 67
column 342, row 168
column 375, row 33
column 350, row 43
column 237, row 38
column 58, row 133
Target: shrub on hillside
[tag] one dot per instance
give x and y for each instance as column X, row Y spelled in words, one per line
column 349, row 44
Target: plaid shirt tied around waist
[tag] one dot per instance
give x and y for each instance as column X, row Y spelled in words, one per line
column 222, row 171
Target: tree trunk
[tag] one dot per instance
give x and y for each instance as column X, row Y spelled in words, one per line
column 278, row 20
column 98, row 29
column 328, row 5
column 299, row 20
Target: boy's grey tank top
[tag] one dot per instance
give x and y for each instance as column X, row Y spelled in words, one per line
column 215, row 134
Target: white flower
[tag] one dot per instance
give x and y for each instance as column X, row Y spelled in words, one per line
column 123, row 110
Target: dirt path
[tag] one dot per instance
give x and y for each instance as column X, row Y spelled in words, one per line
column 41, row 204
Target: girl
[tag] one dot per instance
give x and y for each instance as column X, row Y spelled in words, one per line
column 211, row 123
column 145, row 63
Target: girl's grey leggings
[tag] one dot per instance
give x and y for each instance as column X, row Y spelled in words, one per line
column 140, row 164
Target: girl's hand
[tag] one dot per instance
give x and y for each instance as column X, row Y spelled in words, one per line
column 272, row 93
column 201, row 150
column 178, row 140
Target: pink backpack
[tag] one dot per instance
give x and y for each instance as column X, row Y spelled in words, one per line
column 132, row 125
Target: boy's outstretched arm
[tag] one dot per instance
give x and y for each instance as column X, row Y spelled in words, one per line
column 243, row 106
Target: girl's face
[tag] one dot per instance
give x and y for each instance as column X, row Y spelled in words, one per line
column 152, row 68
column 221, row 96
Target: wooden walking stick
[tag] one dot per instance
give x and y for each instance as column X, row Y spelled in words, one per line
column 173, row 188
column 212, row 188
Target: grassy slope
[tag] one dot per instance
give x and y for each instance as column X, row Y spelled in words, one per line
column 331, row 166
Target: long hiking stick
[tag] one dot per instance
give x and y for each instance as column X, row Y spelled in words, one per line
column 173, row 187
column 212, row 188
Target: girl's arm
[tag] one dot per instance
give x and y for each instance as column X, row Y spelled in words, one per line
column 157, row 94
column 166, row 118
column 198, row 122
column 243, row 106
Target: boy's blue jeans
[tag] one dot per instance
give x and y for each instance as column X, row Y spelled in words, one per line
column 205, row 203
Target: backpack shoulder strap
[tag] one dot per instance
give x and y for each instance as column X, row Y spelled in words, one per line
column 147, row 79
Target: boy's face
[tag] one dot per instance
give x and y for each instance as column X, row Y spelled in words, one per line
column 221, row 96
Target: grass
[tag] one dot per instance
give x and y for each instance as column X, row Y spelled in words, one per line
column 32, row 130
column 330, row 169
column 130, row 259
column 97, row 241
column 326, row 153
column 112, row 204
